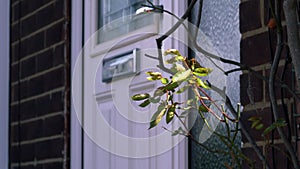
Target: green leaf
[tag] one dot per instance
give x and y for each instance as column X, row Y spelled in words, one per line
column 156, row 118
column 180, row 58
column 159, row 91
column 202, row 108
column 152, row 78
column 256, row 122
column 145, row 103
column 259, row 126
column 278, row 123
column 202, row 84
column 171, row 86
column 172, row 60
column 268, row 129
column 172, row 52
column 170, row 114
column 202, row 71
column 254, row 118
column 193, row 64
column 150, row 73
column 177, row 68
column 181, row 76
column 138, row 97
column 164, row 80
column 154, row 75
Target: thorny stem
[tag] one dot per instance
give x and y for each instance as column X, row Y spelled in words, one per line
column 233, row 120
column 241, row 125
column 189, row 135
column 207, row 108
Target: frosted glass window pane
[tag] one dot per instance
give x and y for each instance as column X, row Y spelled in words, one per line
column 112, row 10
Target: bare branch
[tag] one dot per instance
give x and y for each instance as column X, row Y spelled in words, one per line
column 170, row 31
column 290, row 10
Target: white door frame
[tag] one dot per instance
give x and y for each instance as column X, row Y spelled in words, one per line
column 76, row 46
column 4, row 82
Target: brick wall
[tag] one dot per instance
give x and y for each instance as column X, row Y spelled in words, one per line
column 256, row 52
column 39, row 79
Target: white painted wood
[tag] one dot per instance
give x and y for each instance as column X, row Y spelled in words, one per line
column 76, row 43
column 106, row 106
column 4, row 82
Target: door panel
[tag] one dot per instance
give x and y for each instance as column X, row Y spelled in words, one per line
column 109, row 103
column 116, row 134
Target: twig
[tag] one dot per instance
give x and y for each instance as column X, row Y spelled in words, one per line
column 170, row 31
column 241, row 125
column 198, row 19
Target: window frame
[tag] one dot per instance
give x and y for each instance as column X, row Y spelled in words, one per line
column 100, row 48
column 76, row 133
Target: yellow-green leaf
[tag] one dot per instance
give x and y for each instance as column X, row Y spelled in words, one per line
column 171, row 86
column 170, row 114
column 180, row 76
column 138, row 97
column 259, row 126
column 172, row 51
column 202, row 71
column 156, row 118
column 145, row 103
column 150, row 73
column 154, row 75
column 164, row 80
column 177, row 68
column 202, row 84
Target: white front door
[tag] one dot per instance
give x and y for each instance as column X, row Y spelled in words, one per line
column 116, row 134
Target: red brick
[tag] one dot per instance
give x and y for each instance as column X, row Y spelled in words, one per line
column 256, row 88
column 255, row 161
column 249, row 15
column 255, row 50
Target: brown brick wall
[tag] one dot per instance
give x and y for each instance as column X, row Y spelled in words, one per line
column 255, row 52
column 39, row 80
